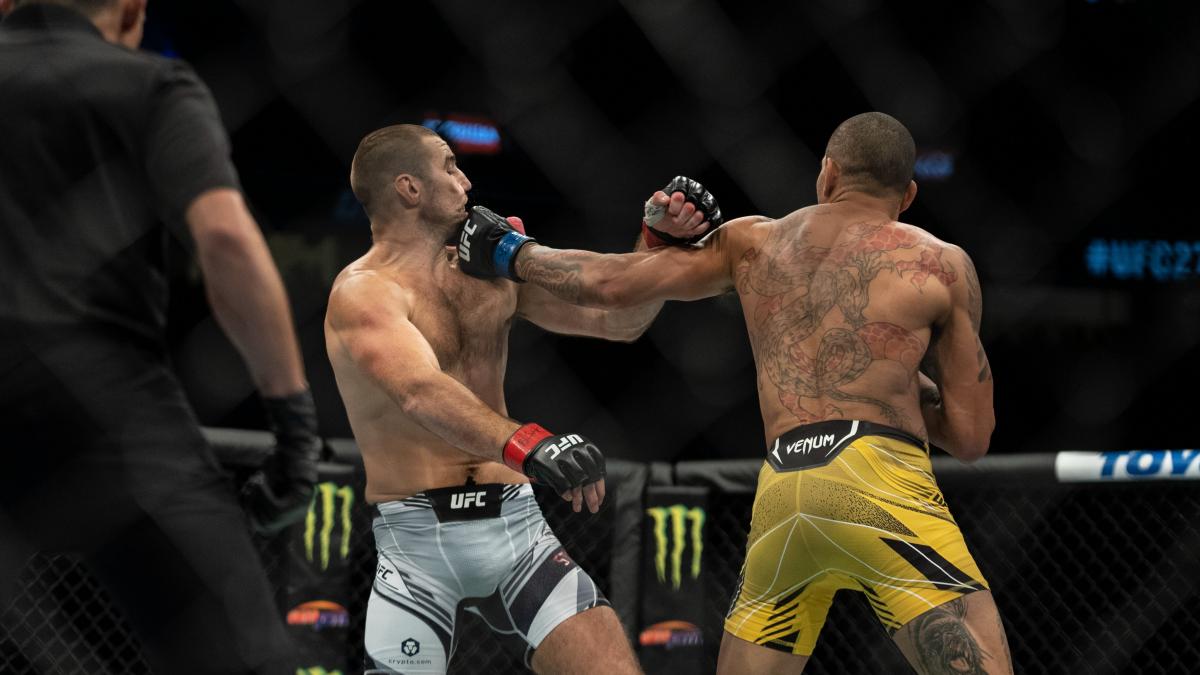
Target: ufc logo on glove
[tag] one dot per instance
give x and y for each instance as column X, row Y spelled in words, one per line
column 464, row 241
column 554, row 449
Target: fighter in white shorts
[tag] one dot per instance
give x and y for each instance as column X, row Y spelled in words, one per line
column 419, row 351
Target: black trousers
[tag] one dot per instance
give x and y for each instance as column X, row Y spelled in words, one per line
column 101, row 456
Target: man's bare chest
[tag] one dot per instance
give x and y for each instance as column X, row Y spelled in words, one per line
column 466, row 321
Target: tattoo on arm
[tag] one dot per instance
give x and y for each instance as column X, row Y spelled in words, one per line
column 554, row 271
column 985, row 368
column 943, row 643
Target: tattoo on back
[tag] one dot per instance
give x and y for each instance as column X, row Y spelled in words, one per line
column 801, row 284
column 943, row 644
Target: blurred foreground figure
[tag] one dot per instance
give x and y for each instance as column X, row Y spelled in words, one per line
column 419, row 351
column 845, row 307
column 99, row 145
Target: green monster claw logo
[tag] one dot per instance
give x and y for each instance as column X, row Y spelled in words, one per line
column 327, row 495
column 317, row 671
column 678, row 515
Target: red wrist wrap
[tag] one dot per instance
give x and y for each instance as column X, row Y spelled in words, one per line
column 521, row 444
column 652, row 240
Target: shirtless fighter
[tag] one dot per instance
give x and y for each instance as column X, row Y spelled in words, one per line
column 848, row 310
column 419, row 352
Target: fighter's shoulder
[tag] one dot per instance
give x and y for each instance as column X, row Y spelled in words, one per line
column 360, row 289
column 742, row 232
column 949, row 252
column 926, row 238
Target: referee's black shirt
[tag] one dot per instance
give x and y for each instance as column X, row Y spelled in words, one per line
column 102, row 149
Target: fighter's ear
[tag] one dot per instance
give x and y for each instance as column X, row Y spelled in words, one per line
column 910, row 193
column 408, row 189
column 133, row 12
column 833, row 174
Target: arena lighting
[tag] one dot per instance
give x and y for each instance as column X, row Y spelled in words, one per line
column 934, row 165
column 1156, row 260
column 470, row 135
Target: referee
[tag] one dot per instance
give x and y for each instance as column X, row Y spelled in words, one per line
column 105, row 153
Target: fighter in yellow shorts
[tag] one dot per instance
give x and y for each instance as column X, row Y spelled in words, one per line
column 865, row 333
column 849, row 505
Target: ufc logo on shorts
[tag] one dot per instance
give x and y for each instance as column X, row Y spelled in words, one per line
column 466, row 500
column 464, row 241
column 565, row 442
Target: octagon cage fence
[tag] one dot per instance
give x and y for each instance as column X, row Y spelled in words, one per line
column 1093, row 559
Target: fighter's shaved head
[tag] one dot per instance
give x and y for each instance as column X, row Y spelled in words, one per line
column 874, row 152
column 383, row 155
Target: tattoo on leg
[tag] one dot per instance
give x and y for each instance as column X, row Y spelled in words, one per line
column 944, row 645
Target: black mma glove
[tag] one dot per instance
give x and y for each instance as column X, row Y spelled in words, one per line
column 488, row 245
column 699, row 197
column 562, row 461
column 278, row 495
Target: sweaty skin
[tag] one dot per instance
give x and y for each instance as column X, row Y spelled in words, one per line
column 851, row 314
column 419, row 349
column 465, row 322
column 844, row 306
column 840, row 315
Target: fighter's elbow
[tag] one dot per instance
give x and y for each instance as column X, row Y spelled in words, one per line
column 410, row 399
column 629, row 335
column 970, row 453
column 973, row 443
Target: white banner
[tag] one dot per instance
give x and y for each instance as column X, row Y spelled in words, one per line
column 1125, row 465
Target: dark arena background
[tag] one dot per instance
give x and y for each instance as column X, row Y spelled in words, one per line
column 1057, row 143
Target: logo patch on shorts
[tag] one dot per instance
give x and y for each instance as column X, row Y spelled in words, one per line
column 410, row 647
column 468, row 502
column 811, row 445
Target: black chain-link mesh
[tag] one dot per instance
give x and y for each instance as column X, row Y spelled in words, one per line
column 1089, row 579
column 63, row 622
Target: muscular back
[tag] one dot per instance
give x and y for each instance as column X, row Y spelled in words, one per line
column 452, row 322
column 840, row 307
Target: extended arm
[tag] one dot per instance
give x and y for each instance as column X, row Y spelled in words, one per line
column 958, row 411
column 632, row 279
column 558, row 315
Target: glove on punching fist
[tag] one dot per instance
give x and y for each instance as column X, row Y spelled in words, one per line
column 694, row 193
column 488, row 245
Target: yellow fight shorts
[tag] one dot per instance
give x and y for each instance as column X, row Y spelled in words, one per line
column 846, row 504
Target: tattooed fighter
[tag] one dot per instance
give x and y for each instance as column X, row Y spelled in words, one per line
column 419, row 353
column 865, row 333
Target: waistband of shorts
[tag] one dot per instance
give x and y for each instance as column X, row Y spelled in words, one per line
column 475, row 501
column 813, row 445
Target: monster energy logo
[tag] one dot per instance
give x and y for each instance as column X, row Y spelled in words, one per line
column 679, row 517
column 325, row 500
column 317, row 671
